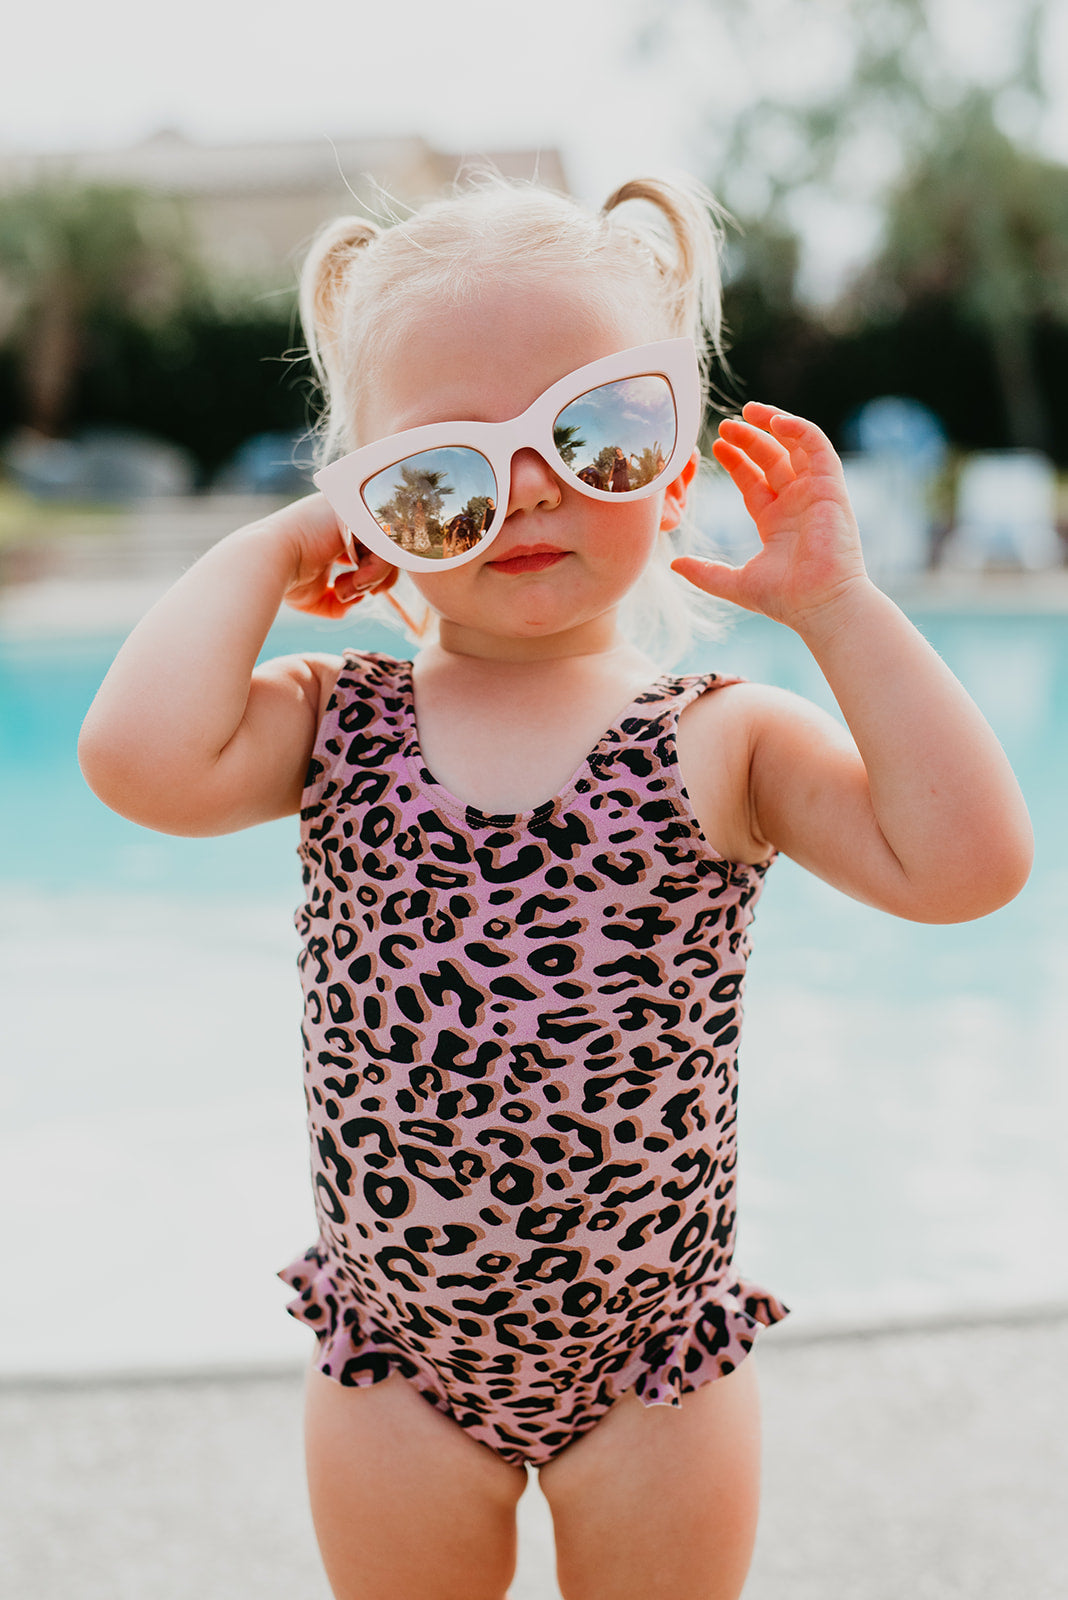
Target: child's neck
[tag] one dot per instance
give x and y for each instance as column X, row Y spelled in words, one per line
column 505, row 733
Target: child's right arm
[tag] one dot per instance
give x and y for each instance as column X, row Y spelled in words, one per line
column 186, row 734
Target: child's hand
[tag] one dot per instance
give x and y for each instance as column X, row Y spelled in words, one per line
column 792, row 483
column 319, row 546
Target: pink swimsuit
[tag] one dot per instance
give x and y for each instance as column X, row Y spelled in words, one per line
column 520, row 1039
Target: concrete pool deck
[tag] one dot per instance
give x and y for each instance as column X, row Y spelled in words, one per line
column 928, row 1462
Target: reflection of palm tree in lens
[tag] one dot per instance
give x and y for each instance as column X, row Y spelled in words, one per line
column 420, row 535
column 418, row 487
column 649, row 465
column 566, row 443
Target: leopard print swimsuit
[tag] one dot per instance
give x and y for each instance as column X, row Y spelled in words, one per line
column 520, row 1037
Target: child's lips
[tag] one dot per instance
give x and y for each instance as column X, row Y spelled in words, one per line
column 529, row 558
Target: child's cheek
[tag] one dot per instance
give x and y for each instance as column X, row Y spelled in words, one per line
column 625, row 536
column 437, row 590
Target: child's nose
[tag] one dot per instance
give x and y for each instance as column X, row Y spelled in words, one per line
column 534, row 484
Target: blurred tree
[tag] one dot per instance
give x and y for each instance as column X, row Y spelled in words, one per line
column 69, row 252
column 850, row 92
column 208, row 374
column 767, row 327
column 983, row 224
column 874, row 104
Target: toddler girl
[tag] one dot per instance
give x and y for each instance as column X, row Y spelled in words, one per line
column 531, row 861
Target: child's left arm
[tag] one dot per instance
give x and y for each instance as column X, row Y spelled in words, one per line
column 919, row 813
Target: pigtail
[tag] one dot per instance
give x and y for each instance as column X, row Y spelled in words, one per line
column 325, row 310
column 329, row 309
column 687, row 259
column 323, row 280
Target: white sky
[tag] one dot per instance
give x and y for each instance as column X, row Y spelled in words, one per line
column 470, row 75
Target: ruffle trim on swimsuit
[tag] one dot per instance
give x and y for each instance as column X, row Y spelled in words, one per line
column 709, row 1341
column 717, row 1336
column 351, row 1350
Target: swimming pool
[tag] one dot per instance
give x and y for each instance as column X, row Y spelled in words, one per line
column 903, row 1103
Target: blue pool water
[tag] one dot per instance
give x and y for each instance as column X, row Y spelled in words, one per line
column 905, row 1093
column 55, row 835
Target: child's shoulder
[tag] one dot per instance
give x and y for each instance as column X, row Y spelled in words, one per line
column 746, row 721
column 722, row 739
column 325, row 676
column 740, row 701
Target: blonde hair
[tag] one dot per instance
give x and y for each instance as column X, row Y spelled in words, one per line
column 654, row 245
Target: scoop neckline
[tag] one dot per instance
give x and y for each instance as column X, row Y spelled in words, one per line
column 421, row 776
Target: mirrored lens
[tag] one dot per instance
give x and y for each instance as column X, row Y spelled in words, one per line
column 438, row 503
column 619, row 436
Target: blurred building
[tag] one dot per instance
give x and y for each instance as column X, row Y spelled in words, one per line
column 254, row 206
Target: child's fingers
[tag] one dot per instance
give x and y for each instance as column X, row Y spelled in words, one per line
column 771, row 457
column 371, row 570
column 320, row 598
column 746, row 476
column 323, row 595
column 807, row 444
column 385, row 579
column 355, row 582
column 764, row 416
column 759, row 414
column 350, row 586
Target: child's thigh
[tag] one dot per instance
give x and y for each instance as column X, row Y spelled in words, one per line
column 660, row 1503
column 404, row 1502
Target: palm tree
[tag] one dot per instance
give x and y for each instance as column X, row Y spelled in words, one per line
column 417, row 484
column 648, row 464
column 566, row 442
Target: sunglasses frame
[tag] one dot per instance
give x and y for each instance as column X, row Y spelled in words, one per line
column 674, row 360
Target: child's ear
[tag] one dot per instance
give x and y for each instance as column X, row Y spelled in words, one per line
column 675, row 494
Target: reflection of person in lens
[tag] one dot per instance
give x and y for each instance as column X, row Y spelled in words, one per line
column 465, row 530
column 620, row 473
column 460, row 534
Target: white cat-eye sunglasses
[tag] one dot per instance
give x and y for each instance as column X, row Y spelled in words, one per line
column 434, row 497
